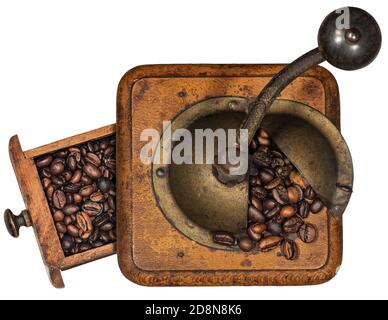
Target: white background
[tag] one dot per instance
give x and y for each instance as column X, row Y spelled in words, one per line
column 60, row 63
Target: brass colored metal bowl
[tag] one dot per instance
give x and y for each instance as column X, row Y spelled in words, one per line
column 196, row 203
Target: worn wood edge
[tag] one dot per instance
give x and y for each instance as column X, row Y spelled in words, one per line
column 24, row 171
column 70, row 141
column 211, row 278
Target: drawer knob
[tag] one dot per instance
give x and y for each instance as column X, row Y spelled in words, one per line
column 13, row 223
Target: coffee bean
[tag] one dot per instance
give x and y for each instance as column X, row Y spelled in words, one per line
column 289, row 250
column 67, row 242
column 98, row 243
column 273, row 184
column 223, row 238
column 261, row 159
column 58, row 181
column 255, row 231
column 61, row 154
column 76, row 176
column 254, row 181
column 269, row 243
column 97, row 197
column 309, row 193
column 87, row 190
column 259, row 192
column 257, row 203
column 255, row 215
column 85, row 246
column 274, row 228
column 104, row 184
column 316, row 205
column 72, row 230
column 101, row 220
column 72, row 187
column 304, row 209
column 245, row 243
column 77, row 198
column 269, row 204
column 93, row 159
column 46, row 182
column 307, row 233
column 107, row 226
column 67, row 220
column 283, row 172
column 70, row 209
column 72, row 163
column 57, row 168
column 280, row 194
column 266, row 175
column 61, row 227
column 59, row 199
column 294, row 193
column 92, row 171
column 44, row 162
column 92, row 208
column 292, row 224
column 287, row 211
column 58, row 216
column 273, row 212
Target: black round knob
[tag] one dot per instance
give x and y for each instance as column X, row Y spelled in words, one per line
column 349, row 38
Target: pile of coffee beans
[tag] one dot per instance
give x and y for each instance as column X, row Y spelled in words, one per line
column 278, row 205
column 79, row 183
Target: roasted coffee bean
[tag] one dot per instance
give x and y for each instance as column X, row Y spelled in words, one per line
column 72, row 163
column 72, row 230
column 316, row 205
column 111, row 164
column 277, row 162
column 224, row 238
column 309, row 193
column 97, row 197
column 67, row 175
column 255, row 231
column 87, row 190
column 111, row 202
column 67, row 242
column 92, row 208
column 77, row 198
column 72, row 187
column 70, row 209
column 98, row 243
column 273, row 183
column 76, row 176
column 59, row 199
column 58, row 181
column 289, row 250
column 92, row 171
column 274, row 228
column 263, row 141
column 273, row 212
column 280, row 194
column 69, row 198
column 46, row 182
column 61, row 154
column 304, row 209
column 46, row 173
column 287, row 211
column 257, row 203
column 292, row 224
column 104, row 184
column 57, row 168
column 112, row 234
column 307, row 233
column 259, row 192
column 266, row 175
column 101, row 219
column 269, row 243
column 294, row 193
column 93, row 159
column 44, row 162
column 85, row 246
column 261, row 159
column 67, row 220
column 58, row 216
column 283, row 172
column 107, row 226
column 94, row 236
column 255, row 215
column 269, row 204
column 254, row 181
column 245, row 243
column 61, row 227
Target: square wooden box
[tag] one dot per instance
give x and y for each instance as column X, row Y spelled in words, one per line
column 150, row 250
